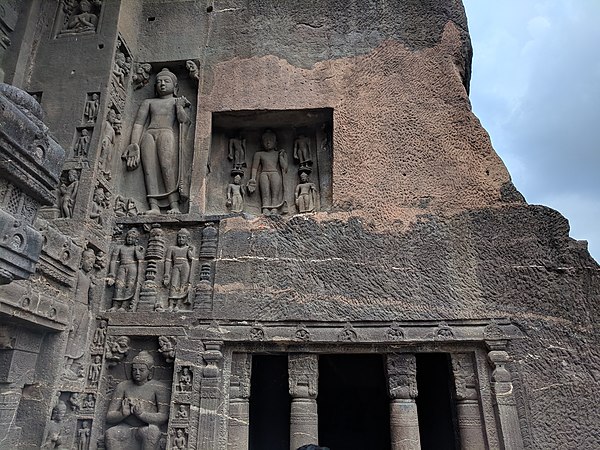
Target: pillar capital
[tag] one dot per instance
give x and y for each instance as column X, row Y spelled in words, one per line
column 402, row 376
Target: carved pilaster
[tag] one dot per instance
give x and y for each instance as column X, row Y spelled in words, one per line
column 303, row 372
column 239, row 406
column 504, row 401
column 402, row 383
column 467, row 402
column 211, row 396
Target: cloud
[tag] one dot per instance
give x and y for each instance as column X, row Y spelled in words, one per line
column 536, row 89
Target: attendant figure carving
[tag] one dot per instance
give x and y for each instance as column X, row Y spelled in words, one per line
column 68, row 194
column 94, row 371
column 91, row 108
column 272, row 164
column 83, row 141
column 77, row 340
column 235, row 195
column 157, row 140
column 108, row 143
column 302, row 151
column 306, row 195
column 89, row 402
column 127, row 258
column 100, row 334
column 179, row 442
column 98, row 205
column 54, row 438
column 237, row 153
column 83, row 21
column 141, row 77
column 166, row 347
column 182, row 412
column 192, row 69
column 177, row 270
column 138, row 408
column 185, row 380
column 122, row 65
column 83, row 436
column 120, row 207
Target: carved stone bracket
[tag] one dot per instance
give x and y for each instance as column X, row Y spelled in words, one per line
column 402, row 383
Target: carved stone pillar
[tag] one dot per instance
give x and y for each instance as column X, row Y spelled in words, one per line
column 303, row 372
column 239, row 405
column 467, row 402
column 210, row 396
column 504, row 401
column 402, row 383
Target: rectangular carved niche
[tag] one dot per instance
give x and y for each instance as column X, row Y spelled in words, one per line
column 270, row 162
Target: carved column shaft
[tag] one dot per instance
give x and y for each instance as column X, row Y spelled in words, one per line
column 239, row 405
column 402, row 383
column 467, row 402
column 504, row 401
column 303, row 371
column 210, row 396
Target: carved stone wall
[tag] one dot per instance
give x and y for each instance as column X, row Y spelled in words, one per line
column 245, row 179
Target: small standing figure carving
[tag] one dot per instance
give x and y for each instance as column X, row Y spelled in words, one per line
column 83, row 141
column 128, row 258
column 91, row 108
column 272, row 164
column 100, row 335
column 94, row 372
column 68, row 194
column 306, row 195
column 177, row 270
column 235, row 195
column 108, row 143
column 237, row 154
column 302, row 151
column 77, row 338
column 83, row 436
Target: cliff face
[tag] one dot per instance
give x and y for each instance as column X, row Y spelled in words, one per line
column 380, row 221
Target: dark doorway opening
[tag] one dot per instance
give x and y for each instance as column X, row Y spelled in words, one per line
column 269, row 403
column 435, row 403
column 353, row 403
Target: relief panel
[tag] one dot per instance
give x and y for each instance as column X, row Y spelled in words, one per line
column 270, row 162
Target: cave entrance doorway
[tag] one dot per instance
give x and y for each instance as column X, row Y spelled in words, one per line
column 353, row 404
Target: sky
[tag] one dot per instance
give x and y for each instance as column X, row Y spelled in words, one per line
column 536, row 90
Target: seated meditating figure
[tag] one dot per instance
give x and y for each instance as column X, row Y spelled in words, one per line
column 138, row 408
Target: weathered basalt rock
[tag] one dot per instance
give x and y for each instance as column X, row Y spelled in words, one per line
column 276, row 202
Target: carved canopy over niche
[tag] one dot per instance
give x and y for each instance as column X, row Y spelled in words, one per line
column 270, row 162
